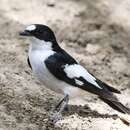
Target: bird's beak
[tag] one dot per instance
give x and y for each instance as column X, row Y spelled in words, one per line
column 25, row 33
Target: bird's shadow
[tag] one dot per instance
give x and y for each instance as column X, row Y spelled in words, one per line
column 85, row 111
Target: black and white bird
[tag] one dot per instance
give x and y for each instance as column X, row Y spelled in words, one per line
column 60, row 72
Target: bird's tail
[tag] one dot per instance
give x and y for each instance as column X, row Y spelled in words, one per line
column 115, row 104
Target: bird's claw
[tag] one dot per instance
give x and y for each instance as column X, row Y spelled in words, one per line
column 55, row 117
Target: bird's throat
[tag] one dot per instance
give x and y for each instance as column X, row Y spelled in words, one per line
column 40, row 45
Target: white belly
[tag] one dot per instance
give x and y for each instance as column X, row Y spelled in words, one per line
column 39, row 68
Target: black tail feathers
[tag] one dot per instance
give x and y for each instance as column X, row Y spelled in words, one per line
column 116, row 105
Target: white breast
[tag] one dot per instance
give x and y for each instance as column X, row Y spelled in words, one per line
column 38, row 53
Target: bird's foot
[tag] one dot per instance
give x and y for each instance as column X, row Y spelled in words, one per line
column 55, row 117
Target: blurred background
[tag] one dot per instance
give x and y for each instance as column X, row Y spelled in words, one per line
column 95, row 32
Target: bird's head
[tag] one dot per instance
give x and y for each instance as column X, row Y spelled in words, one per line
column 39, row 31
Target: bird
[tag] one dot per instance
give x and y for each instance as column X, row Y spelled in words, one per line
column 60, row 72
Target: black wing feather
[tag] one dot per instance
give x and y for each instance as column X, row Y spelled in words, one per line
column 59, row 60
column 56, row 64
column 108, row 87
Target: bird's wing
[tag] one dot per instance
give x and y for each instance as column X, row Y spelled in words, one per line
column 65, row 68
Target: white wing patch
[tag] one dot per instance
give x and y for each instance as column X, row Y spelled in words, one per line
column 76, row 71
column 30, row 27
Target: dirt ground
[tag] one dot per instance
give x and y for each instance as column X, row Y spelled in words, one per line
column 95, row 32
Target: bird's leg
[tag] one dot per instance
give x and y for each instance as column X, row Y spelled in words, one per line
column 61, row 101
column 57, row 115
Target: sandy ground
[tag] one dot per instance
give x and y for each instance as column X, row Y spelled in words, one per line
column 95, row 32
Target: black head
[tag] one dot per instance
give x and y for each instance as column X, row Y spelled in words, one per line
column 39, row 31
